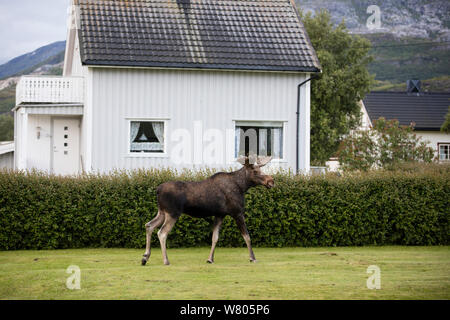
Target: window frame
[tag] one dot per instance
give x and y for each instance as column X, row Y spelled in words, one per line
column 130, row 154
column 263, row 123
column 439, row 151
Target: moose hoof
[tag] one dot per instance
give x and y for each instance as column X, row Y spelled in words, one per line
column 144, row 261
column 253, row 260
column 209, row 261
column 167, row 263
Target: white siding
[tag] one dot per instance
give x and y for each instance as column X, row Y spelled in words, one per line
column 182, row 97
column 7, row 160
column 433, row 138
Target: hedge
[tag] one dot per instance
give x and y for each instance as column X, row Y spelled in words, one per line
column 39, row 211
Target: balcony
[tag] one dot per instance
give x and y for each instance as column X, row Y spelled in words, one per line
column 50, row 90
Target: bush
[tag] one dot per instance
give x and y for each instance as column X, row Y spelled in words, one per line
column 408, row 207
column 386, row 145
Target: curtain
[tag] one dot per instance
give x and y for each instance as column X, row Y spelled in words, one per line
column 237, row 141
column 262, row 142
column 134, row 129
column 158, row 128
column 277, row 143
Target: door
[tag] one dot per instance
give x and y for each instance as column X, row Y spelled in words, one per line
column 66, row 146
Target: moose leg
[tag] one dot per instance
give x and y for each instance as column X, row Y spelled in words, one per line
column 240, row 221
column 215, row 237
column 162, row 235
column 149, row 227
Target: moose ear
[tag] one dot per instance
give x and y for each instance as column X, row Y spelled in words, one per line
column 262, row 161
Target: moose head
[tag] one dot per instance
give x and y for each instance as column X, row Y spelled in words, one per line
column 254, row 175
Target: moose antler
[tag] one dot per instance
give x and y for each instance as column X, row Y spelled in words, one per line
column 262, row 161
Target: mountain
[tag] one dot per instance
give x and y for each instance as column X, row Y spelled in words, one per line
column 47, row 60
column 48, row 55
column 402, row 18
column 413, row 41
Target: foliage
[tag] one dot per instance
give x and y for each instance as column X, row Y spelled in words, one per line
column 446, row 125
column 335, row 95
column 7, row 99
column 438, row 84
column 386, row 145
column 38, row 211
column 6, row 127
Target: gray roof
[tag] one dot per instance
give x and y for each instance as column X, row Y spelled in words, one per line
column 426, row 110
column 210, row 34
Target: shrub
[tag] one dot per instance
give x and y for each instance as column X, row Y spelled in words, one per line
column 387, row 145
column 408, row 207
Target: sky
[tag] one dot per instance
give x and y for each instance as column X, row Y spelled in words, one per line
column 26, row 25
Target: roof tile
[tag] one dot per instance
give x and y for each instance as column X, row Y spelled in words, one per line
column 216, row 34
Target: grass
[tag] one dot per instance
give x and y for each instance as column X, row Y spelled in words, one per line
column 281, row 273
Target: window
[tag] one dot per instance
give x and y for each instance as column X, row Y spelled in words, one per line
column 261, row 138
column 444, row 152
column 147, row 137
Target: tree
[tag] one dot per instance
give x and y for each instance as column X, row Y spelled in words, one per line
column 335, row 95
column 446, row 126
column 6, row 127
column 387, row 145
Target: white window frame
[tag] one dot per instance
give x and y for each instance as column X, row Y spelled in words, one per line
column 439, row 150
column 163, row 154
column 263, row 123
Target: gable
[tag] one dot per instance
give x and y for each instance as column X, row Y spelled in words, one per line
column 203, row 34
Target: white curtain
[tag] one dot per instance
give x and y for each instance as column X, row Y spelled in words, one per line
column 134, row 129
column 277, row 143
column 262, row 142
column 158, row 128
column 237, row 141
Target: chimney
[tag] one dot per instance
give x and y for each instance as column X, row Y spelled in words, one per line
column 413, row 86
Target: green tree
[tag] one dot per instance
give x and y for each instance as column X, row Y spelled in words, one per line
column 335, row 95
column 6, row 127
column 387, row 145
column 446, row 126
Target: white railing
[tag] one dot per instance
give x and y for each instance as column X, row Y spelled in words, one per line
column 45, row 89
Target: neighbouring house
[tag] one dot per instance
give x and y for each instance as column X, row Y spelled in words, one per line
column 7, row 155
column 426, row 110
column 171, row 83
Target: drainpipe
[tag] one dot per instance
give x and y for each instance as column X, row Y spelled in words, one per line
column 298, row 118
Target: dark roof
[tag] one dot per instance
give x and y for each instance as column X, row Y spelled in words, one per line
column 211, row 34
column 426, row 110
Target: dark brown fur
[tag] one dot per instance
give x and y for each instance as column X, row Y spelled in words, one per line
column 218, row 196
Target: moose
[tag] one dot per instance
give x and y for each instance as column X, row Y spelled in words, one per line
column 220, row 195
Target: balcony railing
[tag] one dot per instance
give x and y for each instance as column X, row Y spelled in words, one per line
column 64, row 90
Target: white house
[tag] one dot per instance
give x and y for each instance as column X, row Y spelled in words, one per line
column 6, row 155
column 171, row 83
column 426, row 110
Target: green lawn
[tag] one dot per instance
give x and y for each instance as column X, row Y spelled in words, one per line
column 285, row 273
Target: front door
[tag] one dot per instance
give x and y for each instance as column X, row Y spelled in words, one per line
column 66, row 146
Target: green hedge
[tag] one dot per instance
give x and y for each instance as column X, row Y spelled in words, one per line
column 378, row 208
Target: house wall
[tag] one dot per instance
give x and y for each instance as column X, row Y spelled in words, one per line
column 434, row 137
column 7, row 160
column 181, row 97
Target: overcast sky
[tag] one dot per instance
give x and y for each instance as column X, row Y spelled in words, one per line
column 26, row 25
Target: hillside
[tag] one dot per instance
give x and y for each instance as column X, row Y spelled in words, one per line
column 51, row 65
column 24, row 64
column 413, row 42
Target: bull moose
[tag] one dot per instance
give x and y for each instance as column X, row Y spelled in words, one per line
column 220, row 195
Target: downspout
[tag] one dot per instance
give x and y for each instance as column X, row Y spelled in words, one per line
column 298, row 119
